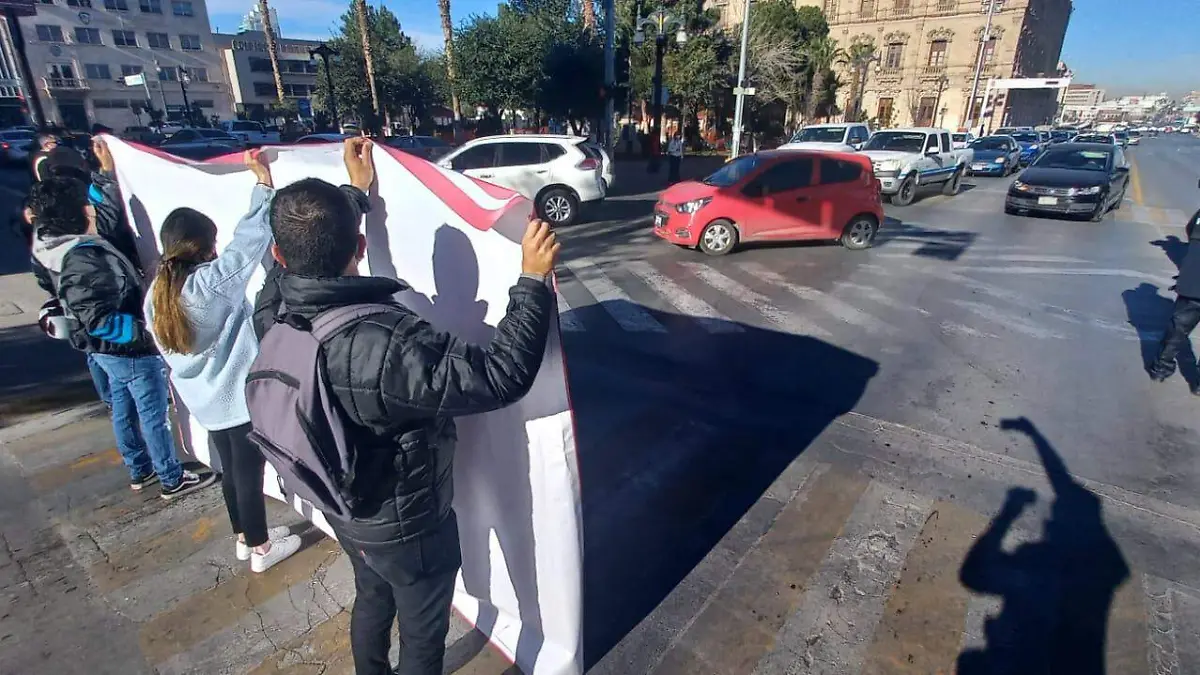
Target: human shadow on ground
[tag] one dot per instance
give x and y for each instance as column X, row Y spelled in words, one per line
column 1150, row 314
column 1174, row 247
column 679, row 433
column 1057, row 592
column 947, row 245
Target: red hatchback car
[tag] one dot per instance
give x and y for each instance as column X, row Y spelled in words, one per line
column 779, row 195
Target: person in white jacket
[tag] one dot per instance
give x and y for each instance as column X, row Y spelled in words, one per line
column 199, row 317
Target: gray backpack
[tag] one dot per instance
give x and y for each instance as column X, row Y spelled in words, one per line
column 293, row 414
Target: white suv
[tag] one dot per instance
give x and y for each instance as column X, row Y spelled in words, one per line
column 558, row 173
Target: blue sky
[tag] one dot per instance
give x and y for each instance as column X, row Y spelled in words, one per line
column 1127, row 46
column 314, row 18
column 1135, row 46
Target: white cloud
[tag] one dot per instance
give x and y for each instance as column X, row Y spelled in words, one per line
column 425, row 41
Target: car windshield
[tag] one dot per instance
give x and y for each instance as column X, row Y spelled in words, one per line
column 958, row 138
column 820, row 135
column 1026, row 136
column 1120, row 135
column 734, row 171
column 991, row 143
column 1093, row 139
column 1076, row 159
column 902, row 141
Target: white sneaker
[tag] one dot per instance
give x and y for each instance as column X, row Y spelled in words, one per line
column 244, row 551
column 281, row 549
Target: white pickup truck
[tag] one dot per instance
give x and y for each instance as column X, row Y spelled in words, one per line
column 906, row 159
column 835, row 137
column 251, row 133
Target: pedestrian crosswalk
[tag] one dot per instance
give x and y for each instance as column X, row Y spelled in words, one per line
column 665, row 295
column 836, row 571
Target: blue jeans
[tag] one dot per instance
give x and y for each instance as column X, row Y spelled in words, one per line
column 140, row 399
column 100, row 380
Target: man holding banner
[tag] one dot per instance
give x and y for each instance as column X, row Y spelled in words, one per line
column 400, row 383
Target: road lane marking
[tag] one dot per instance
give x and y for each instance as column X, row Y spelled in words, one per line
column 844, row 601
column 1011, row 321
column 679, row 298
column 1163, row 282
column 834, row 306
column 628, row 314
column 1135, row 182
column 1162, row 648
column 921, row 628
column 790, row 323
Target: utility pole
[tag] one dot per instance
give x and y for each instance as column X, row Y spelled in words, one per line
column 325, row 51
column 187, row 107
column 610, row 69
column 28, row 85
column 739, row 109
column 983, row 40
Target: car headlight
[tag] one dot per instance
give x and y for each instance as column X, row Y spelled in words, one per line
column 1020, row 187
column 1000, row 160
column 888, row 165
column 1093, row 190
column 692, row 206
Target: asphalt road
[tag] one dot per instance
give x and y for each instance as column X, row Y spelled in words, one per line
column 794, row 459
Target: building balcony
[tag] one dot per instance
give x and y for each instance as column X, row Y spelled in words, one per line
column 933, row 71
column 65, row 83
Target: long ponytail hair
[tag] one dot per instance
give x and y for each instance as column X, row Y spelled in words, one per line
column 189, row 239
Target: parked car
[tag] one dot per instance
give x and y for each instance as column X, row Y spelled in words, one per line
column 1084, row 179
column 1122, row 138
column 775, row 195
column 835, row 137
column 1135, row 137
column 1031, row 144
column 315, row 139
column 961, row 140
column 250, row 133
column 1107, row 139
column 907, row 159
column 143, row 135
column 15, row 145
column 201, row 144
column 557, row 172
column 426, row 147
column 995, row 156
column 1062, row 135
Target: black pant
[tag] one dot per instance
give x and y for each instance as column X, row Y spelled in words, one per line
column 411, row 583
column 673, row 163
column 1183, row 320
column 242, row 482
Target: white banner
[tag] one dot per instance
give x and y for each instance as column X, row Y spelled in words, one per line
column 456, row 242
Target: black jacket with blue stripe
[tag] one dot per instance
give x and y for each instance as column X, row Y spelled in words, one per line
column 99, row 287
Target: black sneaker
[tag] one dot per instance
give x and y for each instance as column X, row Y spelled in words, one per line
column 141, row 482
column 188, row 482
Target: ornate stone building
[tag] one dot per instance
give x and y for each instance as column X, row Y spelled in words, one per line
column 925, row 53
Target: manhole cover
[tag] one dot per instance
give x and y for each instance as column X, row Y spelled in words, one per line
column 8, row 308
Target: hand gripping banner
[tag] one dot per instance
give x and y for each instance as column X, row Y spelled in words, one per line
column 456, row 242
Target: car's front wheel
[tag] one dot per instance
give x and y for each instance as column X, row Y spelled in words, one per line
column 718, row 237
column 558, row 206
column 908, row 190
column 860, row 233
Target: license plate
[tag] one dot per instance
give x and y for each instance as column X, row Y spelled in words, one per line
column 1047, row 201
column 659, row 220
column 978, row 167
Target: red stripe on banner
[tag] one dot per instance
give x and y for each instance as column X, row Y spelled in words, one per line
column 460, row 202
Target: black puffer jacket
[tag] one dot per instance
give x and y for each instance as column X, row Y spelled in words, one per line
column 1188, row 283
column 400, row 382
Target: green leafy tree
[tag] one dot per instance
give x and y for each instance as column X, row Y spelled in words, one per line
column 500, row 60
column 821, row 53
column 858, row 59
column 782, row 67
column 404, row 79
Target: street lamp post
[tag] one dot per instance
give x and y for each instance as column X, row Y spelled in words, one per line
column 984, row 38
column 184, row 79
column 325, row 51
column 662, row 24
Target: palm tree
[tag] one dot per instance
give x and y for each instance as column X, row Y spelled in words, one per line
column 360, row 7
column 859, row 57
column 269, row 31
column 821, row 53
column 589, row 14
column 448, row 38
